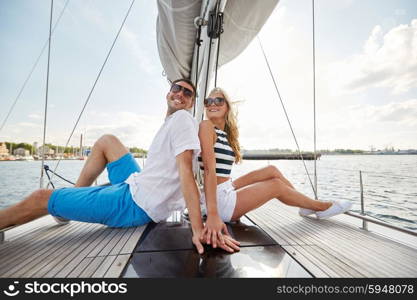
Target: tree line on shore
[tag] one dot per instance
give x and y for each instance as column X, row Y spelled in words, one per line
column 61, row 149
column 326, row 151
column 141, row 152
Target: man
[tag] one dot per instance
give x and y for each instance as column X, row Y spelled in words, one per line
column 134, row 197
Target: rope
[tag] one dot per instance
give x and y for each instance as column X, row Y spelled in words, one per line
column 46, row 94
column 285, row 111
column 96, row 80
column 47, row 169
column 314, row 103
column 47, row 174
column 32, row 70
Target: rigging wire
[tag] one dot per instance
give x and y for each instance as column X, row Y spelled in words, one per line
column 314, row 103
column 46, row 95
column 198, row 42
column 212, row 31
column 220, row 24
column 32, row 70
column 208, row 66
column 96, row 80
column 285, row 111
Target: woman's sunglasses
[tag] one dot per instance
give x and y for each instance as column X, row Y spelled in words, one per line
column 176, row 88
column 218, row 101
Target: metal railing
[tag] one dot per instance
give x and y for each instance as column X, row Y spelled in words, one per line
column 365, row 218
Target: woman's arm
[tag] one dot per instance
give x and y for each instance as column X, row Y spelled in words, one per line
column 214, row 225
column 207, row 138
column 192, row 198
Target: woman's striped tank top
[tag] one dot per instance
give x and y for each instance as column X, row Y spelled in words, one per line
column 225, row 157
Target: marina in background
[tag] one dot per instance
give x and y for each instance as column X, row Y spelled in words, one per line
column 24, row 151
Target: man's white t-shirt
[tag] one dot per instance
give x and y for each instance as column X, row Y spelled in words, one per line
column 157, row 189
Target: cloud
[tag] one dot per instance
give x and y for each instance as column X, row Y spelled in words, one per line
column 387, row 61
column 131, row 128
column 404, row 113
column 35, row 116
column 362, row 125
column 139, row 53
column 29, row 124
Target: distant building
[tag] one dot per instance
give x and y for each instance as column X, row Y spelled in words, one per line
column 409, row 151
column 45, row 150
column 21, row 152
column 4, row 152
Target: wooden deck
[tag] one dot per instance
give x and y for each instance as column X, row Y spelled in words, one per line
column 330, row 248
column 44, row 249
column 325, row 248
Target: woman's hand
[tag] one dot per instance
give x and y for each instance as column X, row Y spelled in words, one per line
column 214, row 230
column 215, row 233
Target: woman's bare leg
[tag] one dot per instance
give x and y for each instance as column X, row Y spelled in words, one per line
column 257, row 194
column 31, row 208
column 259, row 175
column 106, row 149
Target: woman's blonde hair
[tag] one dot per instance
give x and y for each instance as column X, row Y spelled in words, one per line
column 231, row 124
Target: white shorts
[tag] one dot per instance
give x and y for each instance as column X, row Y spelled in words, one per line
column 226, row 200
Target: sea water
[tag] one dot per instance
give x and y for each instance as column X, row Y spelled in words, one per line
column 389, row 181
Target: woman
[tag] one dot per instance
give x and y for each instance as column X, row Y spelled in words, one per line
column 228, row 200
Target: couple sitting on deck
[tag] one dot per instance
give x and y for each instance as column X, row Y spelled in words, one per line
column 137, row 197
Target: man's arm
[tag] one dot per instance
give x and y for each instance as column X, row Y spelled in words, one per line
column 191, row 195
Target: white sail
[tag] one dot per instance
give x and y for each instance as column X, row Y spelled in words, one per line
column 176, row 32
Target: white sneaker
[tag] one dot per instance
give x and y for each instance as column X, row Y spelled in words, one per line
column 61, row 221
column 338, row 207
column 304, row 212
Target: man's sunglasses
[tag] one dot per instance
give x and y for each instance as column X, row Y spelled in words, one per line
column 176, row 88
column 218, row 101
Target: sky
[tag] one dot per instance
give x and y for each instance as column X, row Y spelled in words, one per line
column 366, row 74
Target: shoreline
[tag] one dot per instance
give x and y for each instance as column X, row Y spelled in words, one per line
column 289, row 156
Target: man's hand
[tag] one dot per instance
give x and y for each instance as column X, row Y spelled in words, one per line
column 230, row 244
column 197, row 241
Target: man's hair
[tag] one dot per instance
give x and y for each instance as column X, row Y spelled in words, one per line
column 189, row 82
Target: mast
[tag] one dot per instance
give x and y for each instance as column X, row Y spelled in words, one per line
column 207, row 61
column 314, row 106
column 46, row 95
column 81, row 145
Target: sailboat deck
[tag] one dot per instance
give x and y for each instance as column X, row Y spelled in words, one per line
column 331, row 248
column 325, row 248
column 44, row 249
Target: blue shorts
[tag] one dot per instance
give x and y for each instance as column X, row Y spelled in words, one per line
column 111, row 205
